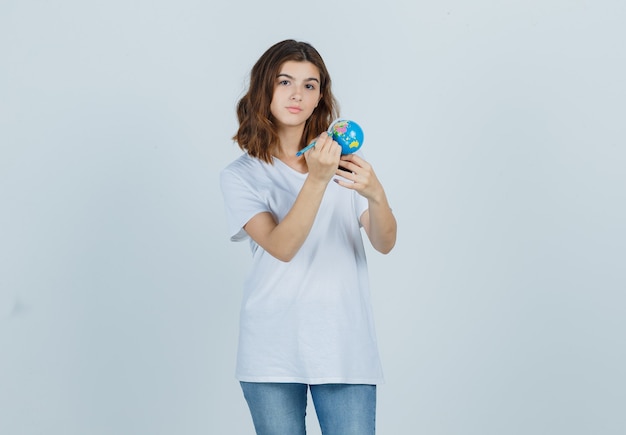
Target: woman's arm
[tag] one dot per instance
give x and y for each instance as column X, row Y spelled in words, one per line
column 378, row 220
column 283, row 240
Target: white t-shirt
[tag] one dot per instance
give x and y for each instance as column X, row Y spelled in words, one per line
column 308, row 320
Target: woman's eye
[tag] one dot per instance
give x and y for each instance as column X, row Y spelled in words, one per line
column 311, row 87
column 284, row 82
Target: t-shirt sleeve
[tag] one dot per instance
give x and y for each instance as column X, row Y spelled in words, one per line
column 242, row 202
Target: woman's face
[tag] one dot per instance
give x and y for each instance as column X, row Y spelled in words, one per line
column 296, row 93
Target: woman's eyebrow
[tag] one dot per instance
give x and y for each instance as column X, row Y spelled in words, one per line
column 310, row 79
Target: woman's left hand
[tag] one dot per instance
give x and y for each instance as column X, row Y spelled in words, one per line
column 361, row 177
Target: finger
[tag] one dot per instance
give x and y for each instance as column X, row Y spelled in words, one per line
column 355, row 158
column 323, row 142
column 346, row 174
column 342, row 170
column 325, row 137
column 344, row 183
column 359, row 161
column 333, row 148
column 347, row 165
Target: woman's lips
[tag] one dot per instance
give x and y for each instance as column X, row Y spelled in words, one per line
column 294, row 109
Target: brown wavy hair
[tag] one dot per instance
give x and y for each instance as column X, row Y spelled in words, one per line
column 257, row 133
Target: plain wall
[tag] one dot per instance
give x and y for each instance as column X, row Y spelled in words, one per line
column 497, row 127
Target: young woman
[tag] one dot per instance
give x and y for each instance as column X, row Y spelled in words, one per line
column 306, row 318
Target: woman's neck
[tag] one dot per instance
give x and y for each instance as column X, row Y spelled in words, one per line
column 290, row 139
column 289, row 145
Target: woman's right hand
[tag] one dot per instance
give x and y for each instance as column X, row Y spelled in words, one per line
column 323, row 159
column 284, row 239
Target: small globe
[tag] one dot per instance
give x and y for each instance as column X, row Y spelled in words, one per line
column 348, row 134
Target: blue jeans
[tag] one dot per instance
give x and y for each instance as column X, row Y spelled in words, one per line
column 342, row 409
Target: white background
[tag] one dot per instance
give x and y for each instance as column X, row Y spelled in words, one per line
column 497, row 127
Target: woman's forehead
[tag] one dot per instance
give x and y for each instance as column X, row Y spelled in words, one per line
column 300, row 70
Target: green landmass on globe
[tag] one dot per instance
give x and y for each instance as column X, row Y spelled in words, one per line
column 348, row 134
